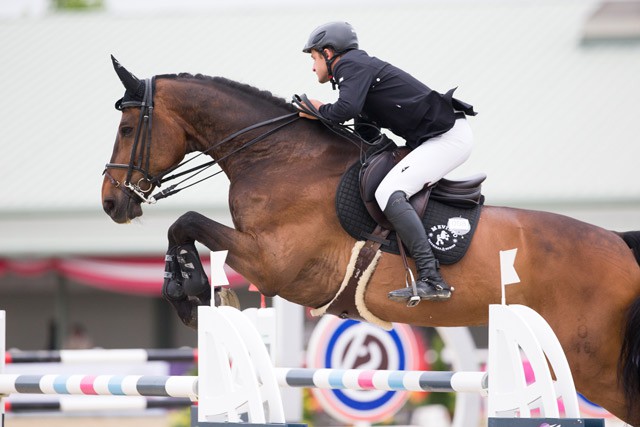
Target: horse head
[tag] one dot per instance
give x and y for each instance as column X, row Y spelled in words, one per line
column 138, row 161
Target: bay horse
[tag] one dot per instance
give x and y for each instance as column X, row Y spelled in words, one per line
column 287, row 239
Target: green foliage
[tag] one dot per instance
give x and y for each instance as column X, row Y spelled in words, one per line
column 68, row 5
column 180, row 418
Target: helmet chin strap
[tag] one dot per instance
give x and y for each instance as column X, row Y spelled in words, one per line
column 329, row 63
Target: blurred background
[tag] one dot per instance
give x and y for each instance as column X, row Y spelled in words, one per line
column 556, row 84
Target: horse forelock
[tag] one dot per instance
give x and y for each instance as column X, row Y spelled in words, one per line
column 244, row 88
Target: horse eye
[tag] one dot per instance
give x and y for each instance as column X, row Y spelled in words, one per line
column 126, row 131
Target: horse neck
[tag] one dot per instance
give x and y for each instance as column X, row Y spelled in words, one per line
column 211, row 111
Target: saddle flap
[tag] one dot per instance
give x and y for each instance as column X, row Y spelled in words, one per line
column 371, row 175
column 376, row 168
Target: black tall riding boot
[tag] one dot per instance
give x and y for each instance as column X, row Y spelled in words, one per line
column 429, row 285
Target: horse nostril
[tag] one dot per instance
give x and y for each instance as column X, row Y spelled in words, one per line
column 108, row 205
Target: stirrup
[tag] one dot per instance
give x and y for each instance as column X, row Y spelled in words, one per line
column 415, row 299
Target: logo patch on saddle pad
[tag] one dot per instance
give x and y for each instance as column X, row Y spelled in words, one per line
column 448, row 228
column 445, row 237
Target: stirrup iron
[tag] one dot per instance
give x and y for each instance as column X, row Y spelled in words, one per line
column 408, row 278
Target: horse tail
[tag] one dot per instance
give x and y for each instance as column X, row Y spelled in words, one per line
column 629, row 363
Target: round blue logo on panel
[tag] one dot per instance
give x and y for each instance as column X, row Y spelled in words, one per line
column 349, row 344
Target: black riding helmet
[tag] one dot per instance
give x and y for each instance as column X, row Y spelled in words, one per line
column 339, row 36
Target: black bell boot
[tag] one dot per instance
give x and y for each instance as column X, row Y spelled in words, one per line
column 430, row 285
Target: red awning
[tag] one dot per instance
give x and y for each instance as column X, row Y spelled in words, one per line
column 137, row 275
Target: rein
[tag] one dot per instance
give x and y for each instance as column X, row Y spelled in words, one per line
column 143, row 138
column 345, row 131
column 201, row 168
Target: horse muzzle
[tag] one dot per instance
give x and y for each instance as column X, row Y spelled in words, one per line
column 121, row 206
column 121, row 209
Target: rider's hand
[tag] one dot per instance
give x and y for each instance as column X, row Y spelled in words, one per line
column 315, row 104
column 307, row 116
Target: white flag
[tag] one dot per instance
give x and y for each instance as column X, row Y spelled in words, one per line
column 218, row 275
column 508, row 274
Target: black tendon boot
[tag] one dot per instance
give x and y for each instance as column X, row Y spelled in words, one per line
column 430, row 285
column 172, row 287
column 194, row 279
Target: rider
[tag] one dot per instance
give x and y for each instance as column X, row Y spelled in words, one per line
column 377, row 93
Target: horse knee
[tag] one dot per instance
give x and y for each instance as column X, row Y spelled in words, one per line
column 179, row 231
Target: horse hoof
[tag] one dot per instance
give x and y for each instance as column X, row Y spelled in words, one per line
column 227, row 297
column 193, row 321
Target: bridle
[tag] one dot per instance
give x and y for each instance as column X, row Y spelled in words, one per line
column 142, row 138
column 141, row 152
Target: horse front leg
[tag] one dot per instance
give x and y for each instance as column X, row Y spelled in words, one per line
column 186, row 285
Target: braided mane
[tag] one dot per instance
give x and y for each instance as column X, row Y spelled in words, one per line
column 242, row 87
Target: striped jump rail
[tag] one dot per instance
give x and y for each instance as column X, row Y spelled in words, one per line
column 362, row 379
column 187, row 386
column 101, row 385
column 103, row 403
column 103, row 356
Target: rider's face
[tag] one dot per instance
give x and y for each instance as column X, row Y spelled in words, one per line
column 320, row 66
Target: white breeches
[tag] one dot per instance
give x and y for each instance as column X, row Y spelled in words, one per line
column 427, row 163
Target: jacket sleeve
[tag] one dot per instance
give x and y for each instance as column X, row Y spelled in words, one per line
column 354, row 81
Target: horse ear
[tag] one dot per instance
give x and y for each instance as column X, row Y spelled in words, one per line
column 131, row 83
